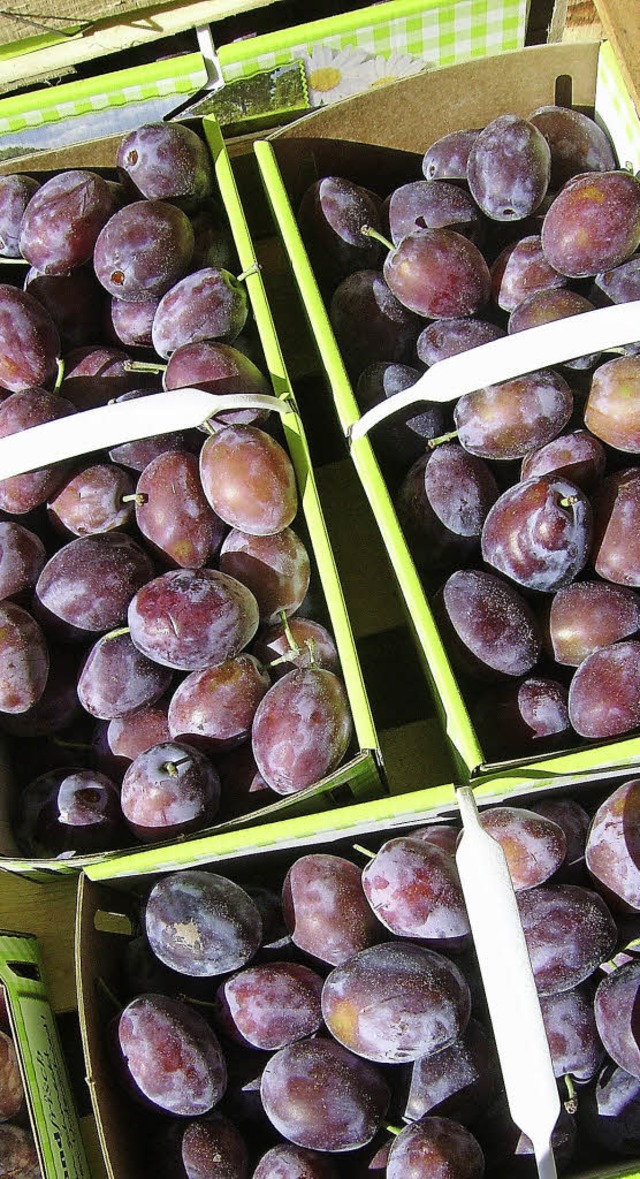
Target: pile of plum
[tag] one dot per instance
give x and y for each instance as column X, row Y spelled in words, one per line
column 326, row 1019
column 520, row 502
column 164, row 662
column 18, row 1154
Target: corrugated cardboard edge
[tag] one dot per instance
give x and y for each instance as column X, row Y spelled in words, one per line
column 465, row 95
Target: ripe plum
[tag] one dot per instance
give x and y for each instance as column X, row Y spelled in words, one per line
column 569, row 932
column 325, row 908
column 276, row 569
column 396, row 1002
column 209, row 304
column 89, row 582
column 570, row 1024
column 202, row 924
column 63, row 219
column 370, row 323
column 16, row 191
column 414, row 890
column 587, row 615
column 214, row 708
column 331, row 217
column 538, row 533
column 30, row 341
column 320, row 1096
column 301, row 729
column 578, row 144
column 435, row 1148
column 190, row 619
column 616, row 1015
column 116, row 678
column 165, row 161
column 169, row 790
column 270, row 1005
column 249, row 480
column 593, row 224
column 613, row 845
column 24, row 656
column 604, row 694
column 69, row 810
column 438, row 274
column 173, row 513
column 143, row 250
column 534, row 847
column 95, row 499
column 491, row 629
column 507, row 420
column 509, row 168
column 22, row 557
column 170, row 1056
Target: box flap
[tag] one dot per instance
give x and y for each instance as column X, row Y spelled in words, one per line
column 465, row 95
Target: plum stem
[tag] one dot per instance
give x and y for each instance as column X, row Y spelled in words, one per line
column 395, row 1130
column 255, row 269
column 568, row 501
column 571, row 1104
column 144, row 366
column 369, row 231
column 441, row 439
column 171, row 767
column 364, row 851
column 111, row 995
column 135, row 497
column 116, row 634
column 59, row 374
column 70, row 744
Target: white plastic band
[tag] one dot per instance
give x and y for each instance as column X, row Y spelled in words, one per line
column 512, row 356
column 122, row 421
column 512, row 998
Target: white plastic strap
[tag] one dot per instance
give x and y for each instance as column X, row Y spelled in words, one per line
column 512, row 998
column 122, row 421
column 512, row 356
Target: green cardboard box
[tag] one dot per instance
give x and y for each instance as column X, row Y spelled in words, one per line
column 378, row 140
column 362, row 774
column 108, row 917
column 45, row 1078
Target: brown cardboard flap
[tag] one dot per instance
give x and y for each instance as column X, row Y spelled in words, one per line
column 98, row 965
column 467, row 95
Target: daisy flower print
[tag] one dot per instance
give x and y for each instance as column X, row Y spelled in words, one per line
column 335, row 73
column 381, row 70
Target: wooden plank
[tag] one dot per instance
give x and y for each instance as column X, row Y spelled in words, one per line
column 123, row 33
column 621, row 24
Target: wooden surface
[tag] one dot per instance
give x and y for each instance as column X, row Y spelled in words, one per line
column 117, row 34
column 621, row 24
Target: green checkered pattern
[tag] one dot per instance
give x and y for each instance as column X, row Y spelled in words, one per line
column 437, row 32
column 616, row 110
column 179, row 75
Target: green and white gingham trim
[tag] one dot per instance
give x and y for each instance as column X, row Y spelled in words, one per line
column 437, row 32
column 178, row 75
column 616, row 110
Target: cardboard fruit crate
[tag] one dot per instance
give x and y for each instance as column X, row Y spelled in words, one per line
column 361, row 775
column 378, row 140
column 310, row 63
column 49, row 1099
column 109, row 914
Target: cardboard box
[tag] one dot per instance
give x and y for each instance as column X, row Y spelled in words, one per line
column 337, row 55
column 48, row 1094
column 378, row 140
column 109, row 916
column 362, row 775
